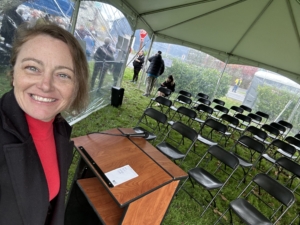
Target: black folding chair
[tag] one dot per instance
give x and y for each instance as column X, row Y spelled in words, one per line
column 246, row 108
column 256, row 133
column 201, row 101
column 235, row 109
column 279, row 127
column 164, row 104
column 261, row 188
column 183, row 114
column 201, row 95
column 176, row 147
column 248, row 151
column 211, row 177
column 218, row 111
column 265, row 117
column 272, row 132
column 183, row 100
column 287, row 125
column 166, row 92
column 218, row 102
column 232, row 123
column 296, row 143
column 204, row 112
column 255, row 118
column 151, row 121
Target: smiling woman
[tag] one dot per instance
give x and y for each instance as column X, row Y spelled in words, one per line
column 49, row 75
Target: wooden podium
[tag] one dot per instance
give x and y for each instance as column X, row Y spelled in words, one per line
column 141, row 200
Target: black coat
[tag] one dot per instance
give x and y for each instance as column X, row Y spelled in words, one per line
column 24, row 197
column 157, row 65
column 139, row 65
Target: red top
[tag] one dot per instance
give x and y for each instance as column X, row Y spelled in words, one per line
column 43, row 138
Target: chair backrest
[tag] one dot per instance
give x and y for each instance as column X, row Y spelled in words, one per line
column 163, row 101
column 156, row 115
column 286, row 124
column 270, row 129
column 256, row 131
column 278, row 126
column 283, row 146
column 185, row 131
column 218, row 101
column 202, row 95
column 215, row 125
column 230, row 119
column 221, row 108
column 293, row 141
column 244, row 118
column 297, row 136
column 204, row 101
column 236, row 109
column 289, row 165
column 246, row 108
column 184, row 99
column 255, row 117
column 205, row 108
column 187, row 112
column 251, row 143
column 224, row 156
column 275, row 189
column 185, row 93
column 164, row 90
column 262, row 114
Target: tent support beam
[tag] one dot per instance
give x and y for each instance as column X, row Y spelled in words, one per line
column 218, row 83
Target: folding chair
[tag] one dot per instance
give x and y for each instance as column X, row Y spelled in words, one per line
column 202, row 95
column 246, row 108
column 248, row 148
column 231, row 123
column 218, row 110
column 182, row 100
column 272, row 132
column 244, row 122
column 289, row 168
column 297, row 136
column 204, row 112
column 287, row 125
column 278, row 146
column 255, row 118
column 265, row 117
column 181, row 114
column 211, row 132
column 210, row 177
column 279, row 127
column 294, row 142
column 152, row 119
column 261, row 188
column 164, row 104
column 235, row 109
column 256, row 133
column 173, row 146
column 185, row 93
column 167, row 92
column 201, row 101
column 218, row 102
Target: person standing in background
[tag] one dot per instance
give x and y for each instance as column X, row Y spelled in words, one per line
column 237, row 83
column 137, row 65
column 155, row 69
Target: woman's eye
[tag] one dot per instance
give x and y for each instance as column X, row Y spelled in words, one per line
column 32, row 68
column 65, row 76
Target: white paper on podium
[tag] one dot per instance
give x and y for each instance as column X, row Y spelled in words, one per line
column 121, row 175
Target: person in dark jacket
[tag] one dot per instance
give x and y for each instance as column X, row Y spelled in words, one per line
column 155, row 69
column 169, row 83
column 137, row 65
column 35, row 146
column 102, row 56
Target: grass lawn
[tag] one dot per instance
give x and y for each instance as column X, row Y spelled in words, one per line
column 183, row 209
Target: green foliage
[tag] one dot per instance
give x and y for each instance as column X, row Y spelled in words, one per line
column 272, row 101
column 197, row 79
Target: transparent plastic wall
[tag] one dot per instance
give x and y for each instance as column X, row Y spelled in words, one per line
column 101, row 29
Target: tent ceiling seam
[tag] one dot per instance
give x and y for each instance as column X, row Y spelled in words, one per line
column 202, row 15
column 175, row 7
column 293, row 20
column 252, row 25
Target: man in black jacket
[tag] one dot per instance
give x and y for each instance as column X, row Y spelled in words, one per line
column 155, row 69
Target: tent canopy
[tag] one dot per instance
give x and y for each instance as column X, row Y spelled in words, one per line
column 262, row 33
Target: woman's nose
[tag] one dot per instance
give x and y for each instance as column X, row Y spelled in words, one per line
column 46, row 83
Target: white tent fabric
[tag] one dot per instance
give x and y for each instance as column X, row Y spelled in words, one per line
column 261, row 33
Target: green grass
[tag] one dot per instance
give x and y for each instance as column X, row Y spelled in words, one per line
column 183, row 210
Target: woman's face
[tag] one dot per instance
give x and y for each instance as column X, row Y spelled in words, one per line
column 44, row 79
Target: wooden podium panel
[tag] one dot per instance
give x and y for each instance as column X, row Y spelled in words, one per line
column 141, row 200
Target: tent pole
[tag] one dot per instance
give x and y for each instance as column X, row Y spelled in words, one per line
column 75, row 16
column 146, row 61
column 130, row 43
column 218, row 83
